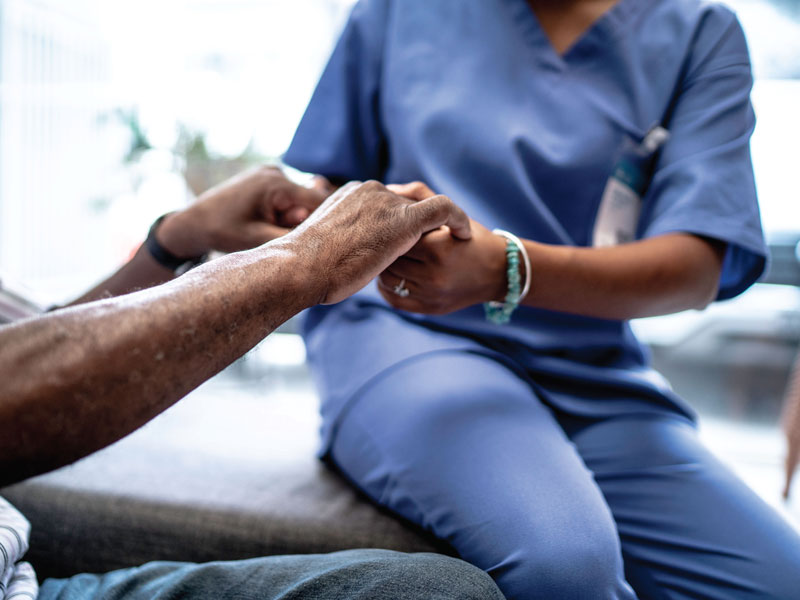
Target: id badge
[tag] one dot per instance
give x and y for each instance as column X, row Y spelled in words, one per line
column 618, row 216
column 621, row 204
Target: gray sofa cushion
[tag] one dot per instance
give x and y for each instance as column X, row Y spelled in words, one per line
column 224, row 474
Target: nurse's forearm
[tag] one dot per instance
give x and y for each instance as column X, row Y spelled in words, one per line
column 656, row 276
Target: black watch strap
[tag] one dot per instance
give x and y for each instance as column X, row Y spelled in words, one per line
column 166, row 258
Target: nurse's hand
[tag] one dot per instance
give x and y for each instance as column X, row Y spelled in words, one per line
column 442, row 273
column 360, row 230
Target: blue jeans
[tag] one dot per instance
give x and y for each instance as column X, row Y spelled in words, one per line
column 353, row 574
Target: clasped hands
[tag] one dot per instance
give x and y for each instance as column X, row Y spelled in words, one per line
column 248, row 210
column 442, row 271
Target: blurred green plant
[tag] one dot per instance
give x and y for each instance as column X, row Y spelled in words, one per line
column 139, row 142
column 201, row 168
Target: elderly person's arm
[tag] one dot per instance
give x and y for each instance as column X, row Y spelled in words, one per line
column 80, row 378
column 243, row 212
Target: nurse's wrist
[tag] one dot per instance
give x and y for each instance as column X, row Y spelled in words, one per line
column 517, row 285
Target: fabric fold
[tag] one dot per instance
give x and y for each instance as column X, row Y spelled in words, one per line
column 17, row 580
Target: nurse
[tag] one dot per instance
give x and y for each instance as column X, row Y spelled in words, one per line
column 545, row 449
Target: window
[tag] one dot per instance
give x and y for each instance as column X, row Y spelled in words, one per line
column 114, row 112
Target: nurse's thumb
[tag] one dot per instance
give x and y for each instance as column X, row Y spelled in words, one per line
column 434, row 212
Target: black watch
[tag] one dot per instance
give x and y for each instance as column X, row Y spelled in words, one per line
column 166, row 258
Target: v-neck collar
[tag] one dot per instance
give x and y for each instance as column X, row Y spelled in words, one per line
column 603, row 29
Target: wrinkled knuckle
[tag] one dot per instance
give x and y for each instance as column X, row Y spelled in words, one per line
column 439, row 213
column 385, row 214
column 437, row 208
column 408, row 212
column 372, row 185
column 442, row 204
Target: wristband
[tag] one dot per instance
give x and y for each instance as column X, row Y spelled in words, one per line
column 166, row 258
column 500, row 312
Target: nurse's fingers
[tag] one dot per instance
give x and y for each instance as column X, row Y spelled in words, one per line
column 416, row 190
column 391, row 288
column 398, row 284
column 406, row 304
column 410, row 296
column 434, row 212
column 431, row 246
column 407, row 268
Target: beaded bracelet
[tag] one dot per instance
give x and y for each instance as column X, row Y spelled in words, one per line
column 500, row 312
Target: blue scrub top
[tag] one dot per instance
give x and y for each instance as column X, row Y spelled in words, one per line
column 471, row 98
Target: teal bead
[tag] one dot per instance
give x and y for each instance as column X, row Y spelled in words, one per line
column 500, row 312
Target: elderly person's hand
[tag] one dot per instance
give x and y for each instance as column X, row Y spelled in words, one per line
column 443, row 273
column 74, row 384
column 244, row 212
column 791, row 425
column 363, row 227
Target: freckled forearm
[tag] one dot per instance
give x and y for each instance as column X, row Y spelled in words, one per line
column 141, row 272
column 80, row 378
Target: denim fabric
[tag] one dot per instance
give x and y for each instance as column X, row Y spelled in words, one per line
column 353, row 574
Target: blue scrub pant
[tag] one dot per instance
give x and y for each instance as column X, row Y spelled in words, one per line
column 556, row 507
column 349, row 575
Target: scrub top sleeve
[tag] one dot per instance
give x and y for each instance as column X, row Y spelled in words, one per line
column 704, row 182
column 340, row 135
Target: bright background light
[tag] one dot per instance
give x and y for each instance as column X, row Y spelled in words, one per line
column 237, row 69
column 77, row 195
column 239, row 73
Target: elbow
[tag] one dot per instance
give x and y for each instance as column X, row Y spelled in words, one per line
column 708, row 272
column 706, row 294
column 688, row 291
